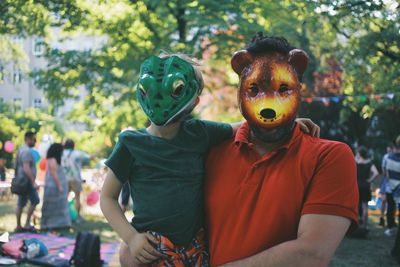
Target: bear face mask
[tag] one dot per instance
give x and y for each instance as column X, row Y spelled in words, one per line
column 269, row 90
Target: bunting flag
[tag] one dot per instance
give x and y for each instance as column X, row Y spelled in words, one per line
column 327, row 100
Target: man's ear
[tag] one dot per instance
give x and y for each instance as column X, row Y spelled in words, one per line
column 299, row 60
column 240, row 60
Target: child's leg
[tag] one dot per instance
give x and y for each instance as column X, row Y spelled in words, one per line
column 194, row 254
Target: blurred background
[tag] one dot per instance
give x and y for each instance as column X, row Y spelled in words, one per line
column 68, row 69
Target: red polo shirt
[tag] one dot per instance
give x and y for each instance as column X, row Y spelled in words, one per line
column 254, row 203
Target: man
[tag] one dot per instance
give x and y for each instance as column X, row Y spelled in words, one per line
column 26, row 167
column 72, row 162
column 391, row 170
column 273, row 195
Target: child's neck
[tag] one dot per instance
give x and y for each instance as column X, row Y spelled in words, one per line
column 167, row 132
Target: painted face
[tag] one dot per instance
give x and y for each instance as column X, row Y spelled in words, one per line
column 269, row 91
column 167, row 87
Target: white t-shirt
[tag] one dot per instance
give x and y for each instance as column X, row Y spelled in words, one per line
column 72, row 162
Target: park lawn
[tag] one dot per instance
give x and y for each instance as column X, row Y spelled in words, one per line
column 371, row 252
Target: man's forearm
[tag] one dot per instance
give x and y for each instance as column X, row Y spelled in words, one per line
column 30, row 175
column 291, row 253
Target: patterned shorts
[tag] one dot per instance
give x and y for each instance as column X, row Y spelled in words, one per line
column 194, row 254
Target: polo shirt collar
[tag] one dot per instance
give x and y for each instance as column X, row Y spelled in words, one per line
column 243, row 133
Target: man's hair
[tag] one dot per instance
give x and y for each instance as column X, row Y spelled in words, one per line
column 69, row 144
column 191, row 61
column 261, row 44
column 29, row 135
column 264, row 44
column 363, row 151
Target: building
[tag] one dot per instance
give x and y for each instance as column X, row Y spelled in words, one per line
column 18, row 88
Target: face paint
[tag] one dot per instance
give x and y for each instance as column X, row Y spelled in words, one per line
column 167, row 88
column 269, row 92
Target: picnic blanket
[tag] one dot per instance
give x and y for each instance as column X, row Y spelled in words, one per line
column 63, row 247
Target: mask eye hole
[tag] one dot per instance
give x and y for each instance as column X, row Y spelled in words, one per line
column 284, row 88
column 141, row 90
column 253, row 90
column 177, row 88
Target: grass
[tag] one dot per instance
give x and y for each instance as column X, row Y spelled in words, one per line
column 371, row 252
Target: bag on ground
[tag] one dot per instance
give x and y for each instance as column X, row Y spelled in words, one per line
column 86, row 251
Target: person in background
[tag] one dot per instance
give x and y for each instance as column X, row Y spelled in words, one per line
column 384, row 187
column 72, row 161
column 2, row 169
column 391, row 170
column 366, row 173
column 55, row 212
column 25, row 167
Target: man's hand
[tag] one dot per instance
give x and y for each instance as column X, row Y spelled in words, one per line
column 60, row 189
column 308, row 126
column 142, row 250
column 35, row 185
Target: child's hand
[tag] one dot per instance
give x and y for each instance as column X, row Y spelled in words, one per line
column 309, row 127
column 142, row 250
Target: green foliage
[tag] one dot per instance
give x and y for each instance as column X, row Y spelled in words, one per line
column 361, row 36
column 15, row 124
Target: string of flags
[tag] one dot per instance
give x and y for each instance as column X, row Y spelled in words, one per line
column 327, row 100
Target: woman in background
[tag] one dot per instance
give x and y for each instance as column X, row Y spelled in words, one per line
column 55, row 213
column 366, row 173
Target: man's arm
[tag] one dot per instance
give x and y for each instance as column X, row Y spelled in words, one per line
column 28, row 172
column 317, row 239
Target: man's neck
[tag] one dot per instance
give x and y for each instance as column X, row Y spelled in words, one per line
column 167, row 132
column 262, row 147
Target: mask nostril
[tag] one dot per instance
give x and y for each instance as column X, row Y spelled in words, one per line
column 268, row 113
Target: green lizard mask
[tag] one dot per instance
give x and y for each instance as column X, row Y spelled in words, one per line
column 167, row 88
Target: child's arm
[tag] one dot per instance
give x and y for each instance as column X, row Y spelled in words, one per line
column 306, row 125
column 140, row 247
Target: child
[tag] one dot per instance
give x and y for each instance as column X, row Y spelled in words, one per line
column 164, row 167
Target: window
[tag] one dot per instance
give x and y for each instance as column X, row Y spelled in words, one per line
column 37, row 103
column 17, row 76
column 38, row 46
column 18, row 40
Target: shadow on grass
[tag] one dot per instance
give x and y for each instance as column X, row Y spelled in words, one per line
column 372, row 251
column 93, row 223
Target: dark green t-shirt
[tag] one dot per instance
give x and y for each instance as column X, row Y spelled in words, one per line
column 166, row 176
